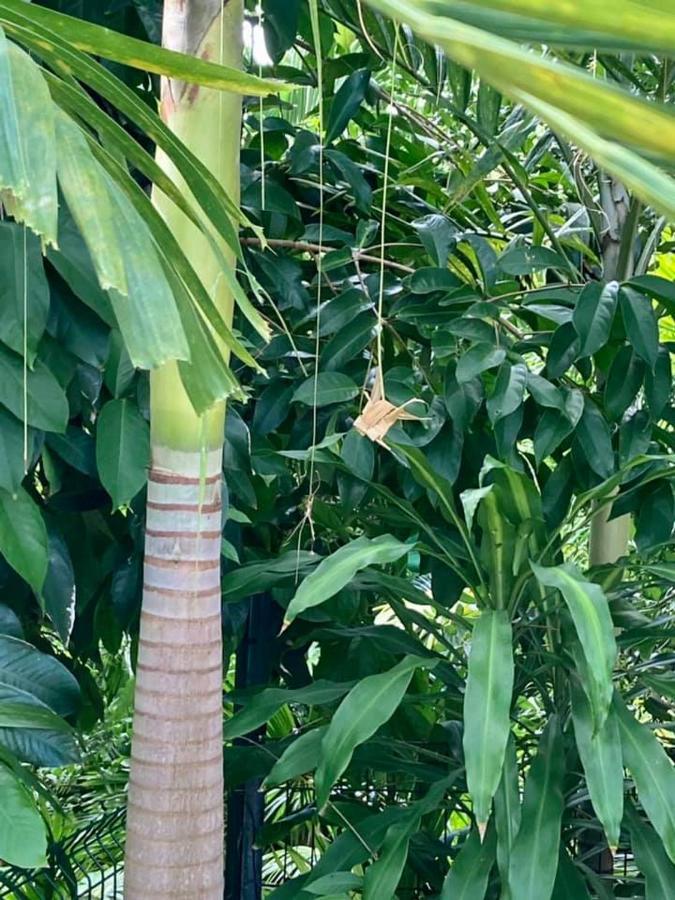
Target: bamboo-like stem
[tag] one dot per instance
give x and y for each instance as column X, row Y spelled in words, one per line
column 175, row 813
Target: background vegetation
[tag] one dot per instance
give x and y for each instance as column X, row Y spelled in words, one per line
column 410, row 229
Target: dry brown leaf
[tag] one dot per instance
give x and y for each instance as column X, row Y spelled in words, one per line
column 379, row 415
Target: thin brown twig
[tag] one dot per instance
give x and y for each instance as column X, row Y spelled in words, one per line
column 305, row 247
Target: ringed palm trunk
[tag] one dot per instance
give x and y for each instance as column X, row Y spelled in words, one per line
column 175, row 808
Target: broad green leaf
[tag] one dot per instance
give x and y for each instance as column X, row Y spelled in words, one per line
column 337, row 883
column 87, row 193
column 259, row 708
column 507, row 813
column 589, row 609
column 538, row 81
column 47, row 405
column 552, row 429
column 470, row 871
column 478, row 359
column 592, row 433
column 563, row 350
column 10, row 623
column 326, row 388
column 59, row 593
column 462, row 401
column 346, row 103
column 612, row 25
column 23, row 835
column 347, row 849
column 569, row 881
column 508, row 392
column 122, row 450
column 12, row 470
column 27, row 152
column 652, row 771
column 659, row 871
column 487, row 705
column 24, row 668
column 623, row 381
column 348, row 343
column 600, row 753
column 593, row 315
column 367, row 707
column 122, row 251
column 32, row 732
column 655, row 517
column 524, row 260
column 336, row 571
column 545, row 393
column 641, row 326
column 23, row 537
column 256, row 577
column 497, row 549
column 383, row 876
column 534, row 856
column 428, row 279
column 358, row 454
column 130, row 51
column 19, row 254
column 659, row 384
column 298, row 758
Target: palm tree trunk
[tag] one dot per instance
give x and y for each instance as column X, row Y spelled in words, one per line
column 175, row 811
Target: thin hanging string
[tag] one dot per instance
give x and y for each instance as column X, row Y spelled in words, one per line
column 383, row 216
column 314, row 15
column 25, row 352
column 261, row 113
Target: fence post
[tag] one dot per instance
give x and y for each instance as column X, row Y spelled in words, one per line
column 246, row 803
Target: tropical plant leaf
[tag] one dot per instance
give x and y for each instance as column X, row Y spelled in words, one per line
column 487, row 704
column 23, row 836
column 366, row 708
column 534, row 856
column 336, row 571
column 589, row 609
column 601, row 756
column 652, row 771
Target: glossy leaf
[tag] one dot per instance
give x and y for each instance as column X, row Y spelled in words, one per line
column 470, row 871
column 589, row 609
column 508, row 391
column 659, row 871
column 23, row 537
column 336, row 571
column 478, row 359
column 260, row 707
column 122, row 450
column 23, row 836
column 640, row 322
column 24, row 668
column 594, row 314
column 326, row 388
column 131, row 51
column 298, row 758
column 366, row 708
column 27, row 151
column 652, row 772
column 593, row 436
column 507, row 813
column 47, row 406
column 601, row 756
column 383, row 876
column 534, row 856
column 487, row 704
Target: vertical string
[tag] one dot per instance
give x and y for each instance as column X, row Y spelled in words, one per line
column 383, row 215
column 25, row 352
column 261, row 113
column 316, row 33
